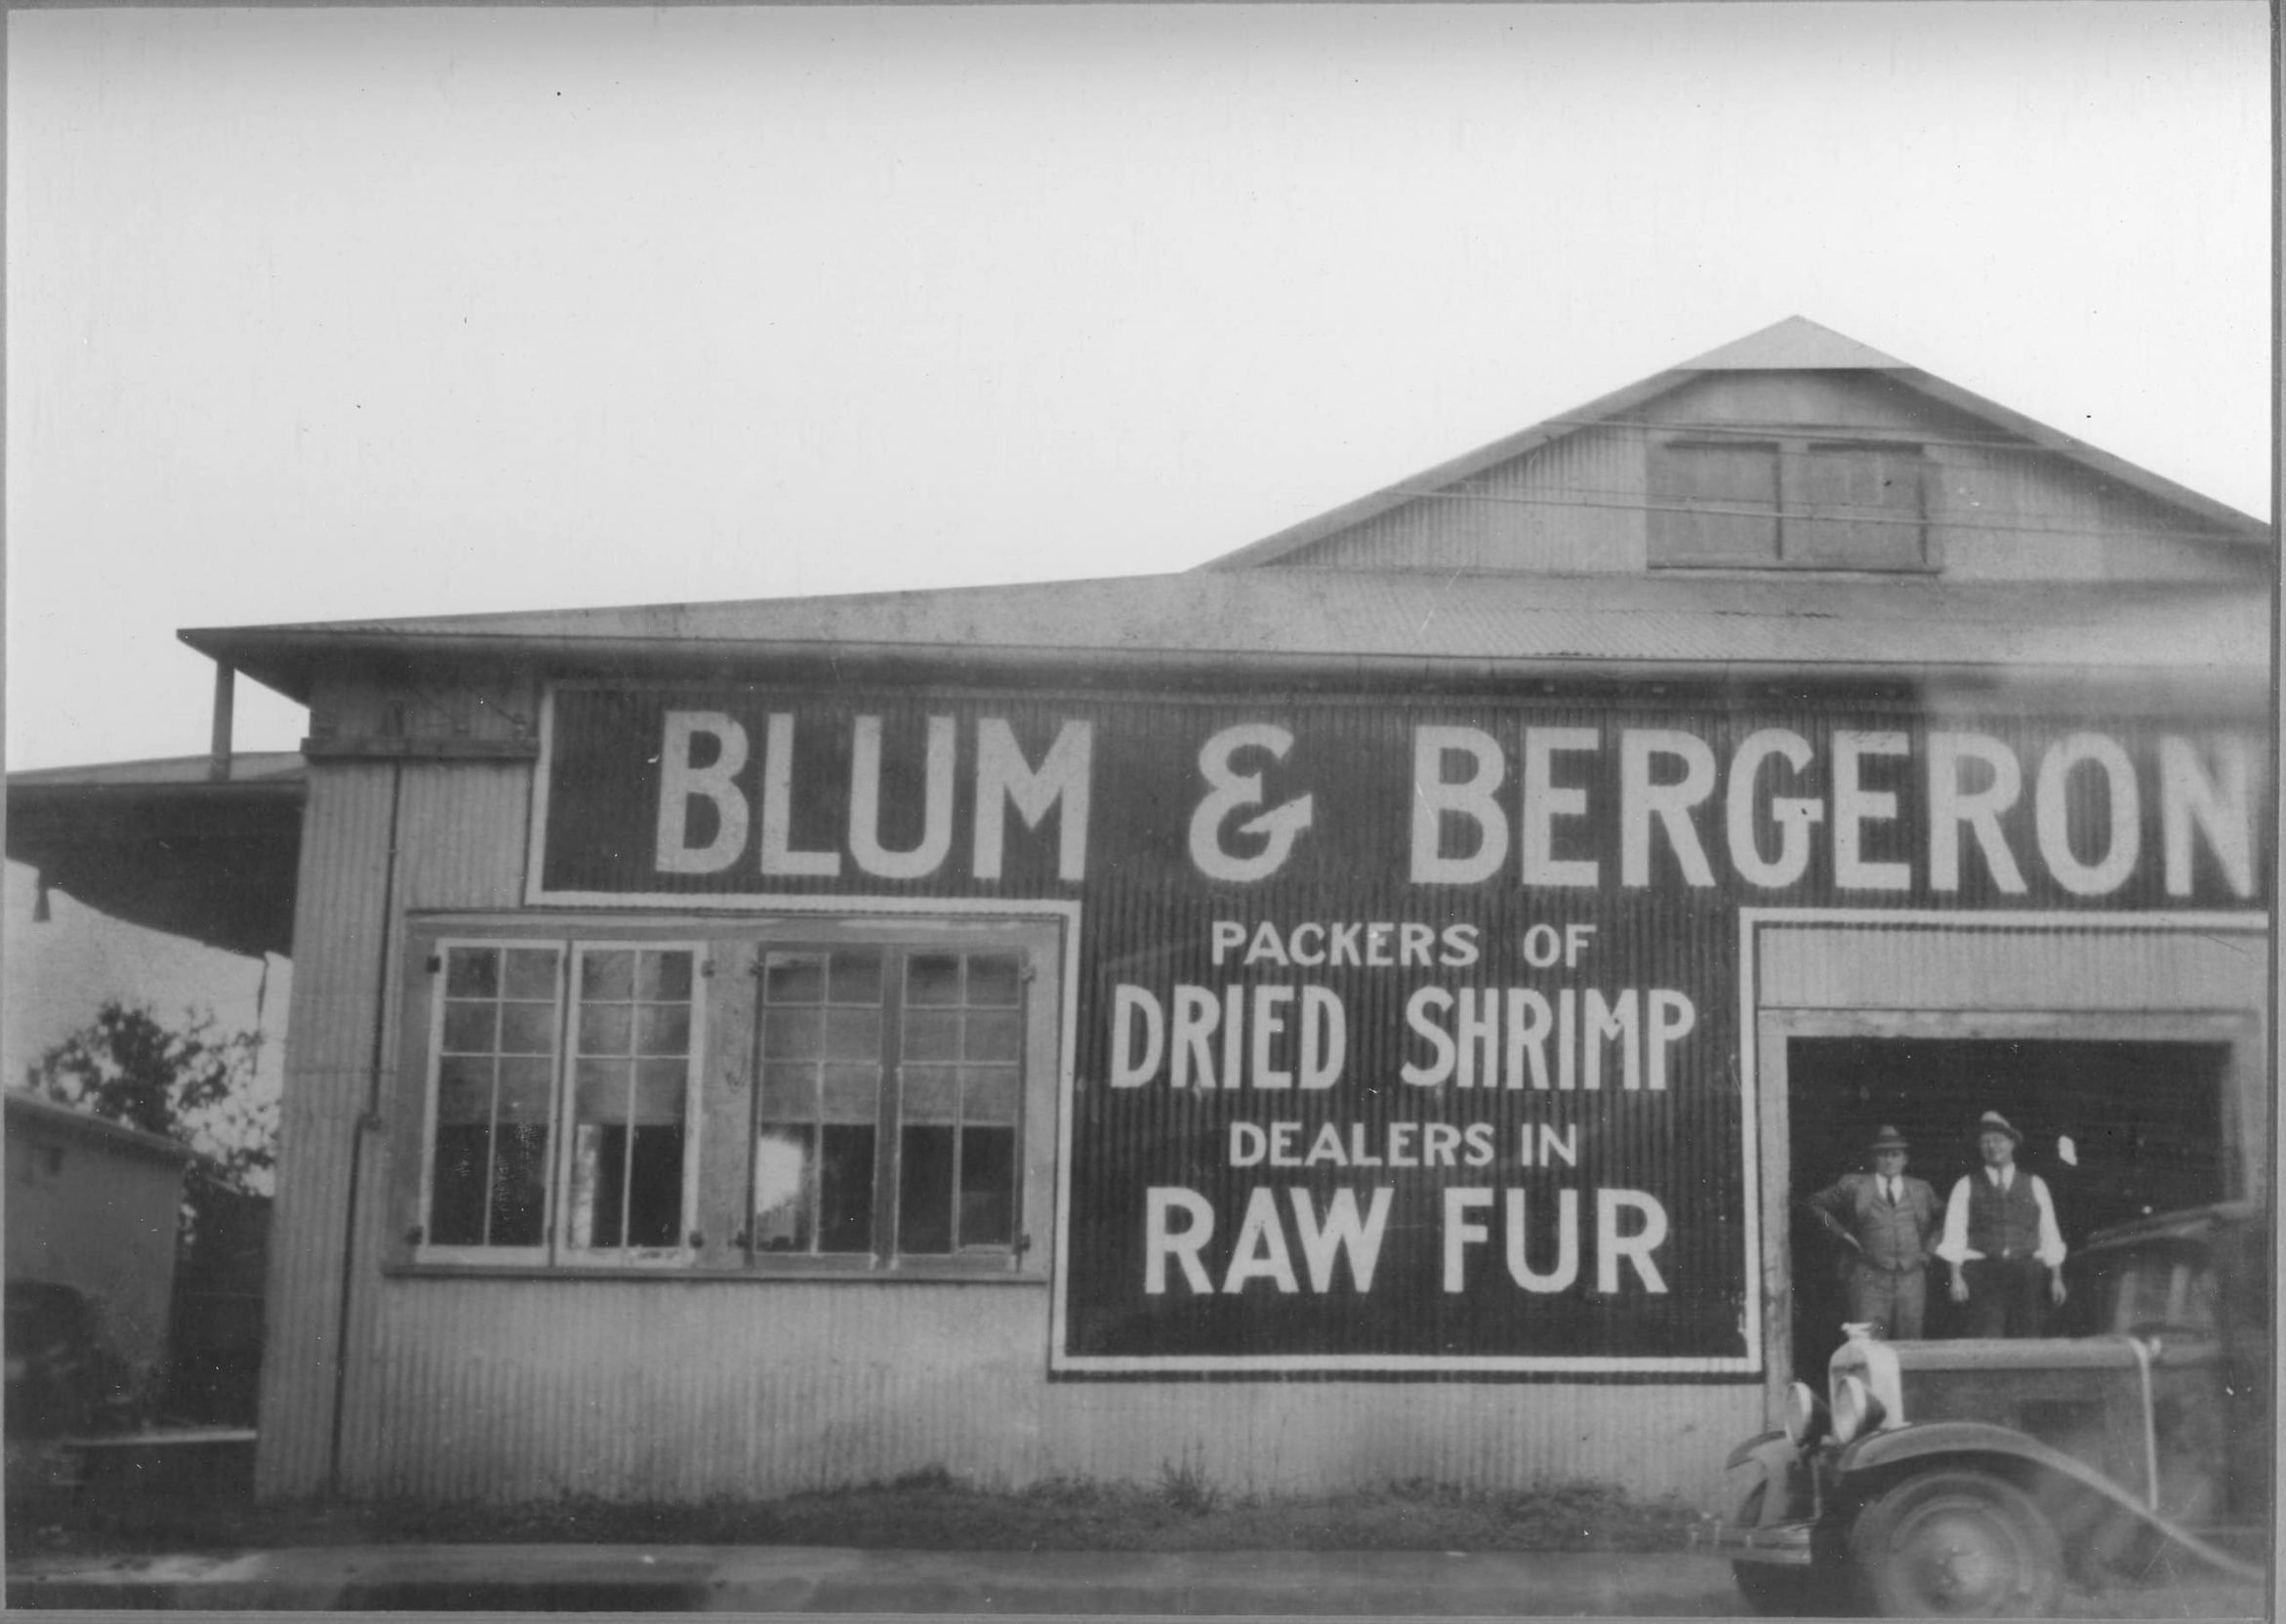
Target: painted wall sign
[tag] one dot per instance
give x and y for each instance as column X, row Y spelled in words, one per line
column 1406, row 1033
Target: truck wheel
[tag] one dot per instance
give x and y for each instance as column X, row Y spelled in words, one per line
column 1957, row 1544
column 1778, row 1592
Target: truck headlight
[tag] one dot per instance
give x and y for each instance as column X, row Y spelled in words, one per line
column 1806, row 1418
column 1855, row 1411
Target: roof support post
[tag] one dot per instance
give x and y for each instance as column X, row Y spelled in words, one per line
column 218, row 767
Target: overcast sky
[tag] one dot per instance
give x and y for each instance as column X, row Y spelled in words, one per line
column 334, row 314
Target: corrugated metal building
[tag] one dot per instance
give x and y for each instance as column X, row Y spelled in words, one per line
column 1361, row 1009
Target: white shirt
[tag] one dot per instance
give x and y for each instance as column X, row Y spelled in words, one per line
column 1953, row 1244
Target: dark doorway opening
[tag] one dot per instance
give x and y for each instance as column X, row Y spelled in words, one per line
column 2143, row 1122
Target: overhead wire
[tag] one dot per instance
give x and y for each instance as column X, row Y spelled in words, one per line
column 1844, row 515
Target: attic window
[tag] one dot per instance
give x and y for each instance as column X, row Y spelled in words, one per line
column 1788, row 503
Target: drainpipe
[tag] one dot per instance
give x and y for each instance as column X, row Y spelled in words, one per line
column 217, row 763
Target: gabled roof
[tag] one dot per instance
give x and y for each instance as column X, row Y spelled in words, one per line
column 1234, row 619
column 1794, row 344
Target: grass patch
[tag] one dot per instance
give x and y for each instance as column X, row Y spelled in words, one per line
column 928, row 1510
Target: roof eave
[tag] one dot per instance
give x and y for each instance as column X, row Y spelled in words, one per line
column 288, row 661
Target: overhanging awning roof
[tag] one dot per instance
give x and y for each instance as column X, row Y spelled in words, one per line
column 1409, row 623
column 165, row 845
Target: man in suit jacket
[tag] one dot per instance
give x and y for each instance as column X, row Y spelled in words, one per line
column 1887, row 1226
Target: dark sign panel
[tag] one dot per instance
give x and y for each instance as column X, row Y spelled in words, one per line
column 1407, row 1032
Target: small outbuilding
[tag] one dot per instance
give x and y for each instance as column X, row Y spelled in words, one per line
column 92, row 1217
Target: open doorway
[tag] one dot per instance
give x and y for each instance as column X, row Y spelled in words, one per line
column 2117, row 1128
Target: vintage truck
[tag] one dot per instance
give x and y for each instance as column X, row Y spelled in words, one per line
column 1974, row 1478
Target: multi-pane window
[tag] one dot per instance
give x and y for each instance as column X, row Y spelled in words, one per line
column 561, row 1121
column 857, row 1103
column 495, row 1096
column 888, row 1113
column 630, row 1070
column 1792, row 502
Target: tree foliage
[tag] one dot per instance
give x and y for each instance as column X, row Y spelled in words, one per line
column 192, row 1084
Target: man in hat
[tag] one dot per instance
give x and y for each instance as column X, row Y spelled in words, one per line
column 1887, row 1226
column 2001, row 1240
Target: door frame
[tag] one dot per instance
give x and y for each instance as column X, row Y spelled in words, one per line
column 1764, row 1032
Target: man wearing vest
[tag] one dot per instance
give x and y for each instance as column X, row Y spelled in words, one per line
column 2001, row 1240
column 1887, row 1225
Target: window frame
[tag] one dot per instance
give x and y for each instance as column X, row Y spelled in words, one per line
column 1791, row 511
column 886, row 1252
column 722, row 1100
column 557, row 1251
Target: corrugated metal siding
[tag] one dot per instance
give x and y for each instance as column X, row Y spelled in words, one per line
column 683, row 1389
column 461, row 840
column 463, row 835
column 339, row 929
column 2029, row 515
column 1537, row 514
column 1832, row 967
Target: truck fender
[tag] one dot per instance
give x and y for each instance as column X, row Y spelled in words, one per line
column 1932, row 1438
column 1758, row 1447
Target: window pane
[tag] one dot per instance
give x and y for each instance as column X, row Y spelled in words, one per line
column 852, row 1094
column 607, row 974
column 520, row 1185
column 471, row 973
column 792, row 1034
column 932, row 1034
column 857, row 978
column 663, row 1029
column 846, row 1189
column 990, row 1095
column 664, row 977
column 527, row 1029
column 606, row 1029
column 470, row 1028
column 598, row 1165
column 795, row 978
column 531, row 973
column 785, row 1188
column 931, row 1094
column 790, row 1091
column 599, row 1093
column 932, row 978
column 525, row 1087
column 924, row 1189
column 988, row 1187
column 993, row 979
column 994, row 1034
column 654, row 1200
column 853, row 1033
column 456, row 1197
column 1714, row 503
column 662, row 1090
column 464, row 1090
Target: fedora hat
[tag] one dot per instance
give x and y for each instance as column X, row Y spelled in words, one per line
column 1888, row 1139
column 1992, row 1121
